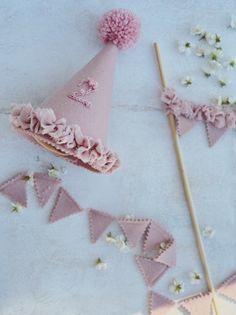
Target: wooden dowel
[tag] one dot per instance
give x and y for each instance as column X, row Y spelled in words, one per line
column 187, row 190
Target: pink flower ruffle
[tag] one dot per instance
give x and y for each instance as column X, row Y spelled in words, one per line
column 216, row 115
column 67, row 138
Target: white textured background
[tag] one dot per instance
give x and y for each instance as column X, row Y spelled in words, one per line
column 48, row 269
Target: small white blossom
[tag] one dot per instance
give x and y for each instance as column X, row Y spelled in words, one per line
column 185, row 47
column 53, row 171
column 208, row 71
column 223, row 82
column 110, row 238
column 176, row 287
column 195, row 277
column 29, row 178
column 222, row 101
column 197, row 31
column 122, row 243
column 233, row 22
column 100, row 264
column 201, row 52
column 230, row 64
column 213, row 39
column 16, row 207
column 187, row 81
column 163, row 246
column 208, row 232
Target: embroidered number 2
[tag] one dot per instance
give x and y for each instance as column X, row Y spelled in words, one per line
column 85, row 88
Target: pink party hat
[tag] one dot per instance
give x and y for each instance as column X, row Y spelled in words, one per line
column 73, row 123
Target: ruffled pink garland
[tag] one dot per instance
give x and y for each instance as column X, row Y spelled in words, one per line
column 214, row 114
column 43, row 122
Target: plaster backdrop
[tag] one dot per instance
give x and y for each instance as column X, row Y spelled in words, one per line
column 48, row 269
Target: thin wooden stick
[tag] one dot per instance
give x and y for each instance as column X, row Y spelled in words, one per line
column 187, row 191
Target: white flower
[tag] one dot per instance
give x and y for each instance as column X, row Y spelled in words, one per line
column 176, row 287
column 208, row 71
column 53, row 171
column 16, row 207
column 215, row 65
column 201, row 52
column 208, row 231
column 195, row 277
column 233, row 22
column 230, row 64
column 185, row 47
column 197, row 31
column 222, row 101
column 223, row 82
column 110, row 238
column 122, row 243
column 100, row 264
column 29, row 178
column 213, row 39
column 187, row 81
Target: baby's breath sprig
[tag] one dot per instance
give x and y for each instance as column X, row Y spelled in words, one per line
column 16, row 207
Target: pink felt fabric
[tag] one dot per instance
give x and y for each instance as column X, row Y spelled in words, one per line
column 15, row 189
column 64, row 206
column 155, row 235
column 168, row 256
column 228, row 288
column 152, row 270
column 98, row 222
column 133, row 229
column 214, row 134
column 69, row 126
column 45, row 186
column 160, row 305
column 184, row 125
column 198, row 305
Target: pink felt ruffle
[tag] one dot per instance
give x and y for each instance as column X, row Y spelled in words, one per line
column 68, row 139
column 215, row 115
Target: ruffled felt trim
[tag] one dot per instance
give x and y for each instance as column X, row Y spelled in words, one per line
column 68, row 139
column 217, row 116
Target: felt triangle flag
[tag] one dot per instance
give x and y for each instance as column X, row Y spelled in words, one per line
column 98, row 222
column 151, row 269
column 160, row 305
column 198, row 305
column 214, row 134
column 154, row 236
column 15, row 189
column 168, row 256
column 45, row 186
column 184, row 125
column 228, row 288
column 64, row 206
column 133, row 229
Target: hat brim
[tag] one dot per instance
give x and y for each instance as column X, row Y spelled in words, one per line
column 90, row 154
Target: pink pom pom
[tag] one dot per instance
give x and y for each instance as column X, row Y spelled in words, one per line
column 121, row 27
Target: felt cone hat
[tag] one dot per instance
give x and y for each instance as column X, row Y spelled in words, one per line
column 73, row 122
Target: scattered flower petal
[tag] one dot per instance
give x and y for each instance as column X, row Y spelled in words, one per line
column 100, row 264
column 176, row 287
column 208, row 232
column 16, row 207
column 195, row 277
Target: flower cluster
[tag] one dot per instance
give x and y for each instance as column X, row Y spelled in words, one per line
column 67, row 138
column 119, row 241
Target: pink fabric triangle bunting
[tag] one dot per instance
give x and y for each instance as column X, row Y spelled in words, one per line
column 133, row 229
column 45, row 186
column 154, row 236
column 15, row 189
column 228, row 288
column 168, row 256
column 184, row 125
column 159, row 305
column 200, row 304
column 64, row 206
column 151, row 269
column 214, row 134
column 98, row 222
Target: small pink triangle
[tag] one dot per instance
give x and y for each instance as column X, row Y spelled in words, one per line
column 184, row 125
column 168, row 257
column 45, row 186
column 64, row 206
column 133, row 229
column 159, row 305
column 15, row 189
column 228, row 288
column 98, row 222
column 214, row 134
column 155, row 235
column 152, row 270
column 200, row 304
